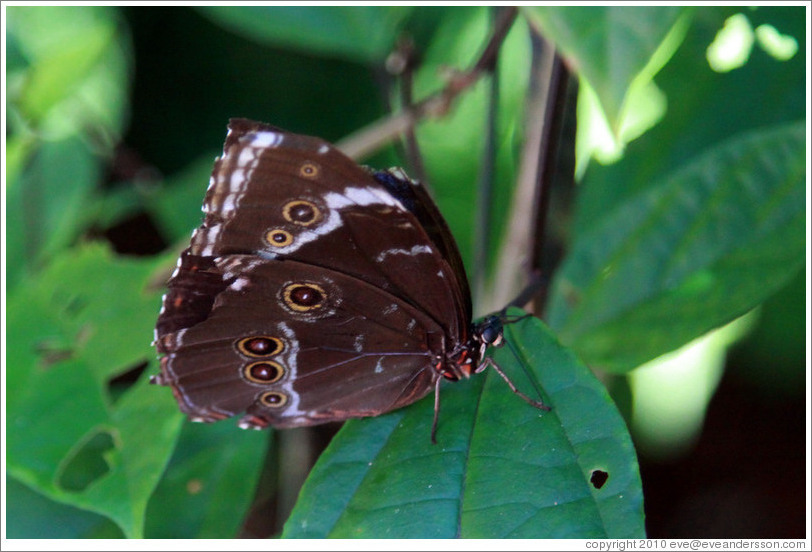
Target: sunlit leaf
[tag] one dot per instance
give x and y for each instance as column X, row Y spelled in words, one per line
column 610, row 46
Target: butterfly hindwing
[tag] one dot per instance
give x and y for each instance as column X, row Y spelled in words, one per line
column 333, row 354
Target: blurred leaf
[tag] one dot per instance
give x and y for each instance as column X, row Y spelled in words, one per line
column 364, row 34
column 18, row 150
column 703, row 245
column 501, row 469
column 30, row 515
column 732, row 46
column 715, row 108
column 76, row 76
column 673, row 391
column 47, row 205
column 610, row 46
column 209, row 483
column 780, row 46
column 67, row 102
column 777, row 342
column 86, row 319
column 15, row 241
column 170, row 204
column 51, row 80
column 595, row 139
column 173, row 204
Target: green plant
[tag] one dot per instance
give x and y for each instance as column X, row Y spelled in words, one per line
column 695, row 220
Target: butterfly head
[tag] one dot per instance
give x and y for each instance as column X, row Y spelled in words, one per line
column 489, row 332
column 466, row 359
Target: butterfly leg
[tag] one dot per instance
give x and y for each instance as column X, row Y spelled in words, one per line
column 436, row 411
column 532, row 402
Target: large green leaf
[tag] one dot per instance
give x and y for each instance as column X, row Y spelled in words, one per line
column 501, row 469
column 359, row 33
column 83, row 321
column 702, row 246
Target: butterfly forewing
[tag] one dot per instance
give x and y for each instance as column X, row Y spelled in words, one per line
column 278, row 194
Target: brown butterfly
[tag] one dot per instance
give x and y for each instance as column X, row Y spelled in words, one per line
column 314, row 291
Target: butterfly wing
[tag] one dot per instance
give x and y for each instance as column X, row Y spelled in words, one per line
column 289, row 219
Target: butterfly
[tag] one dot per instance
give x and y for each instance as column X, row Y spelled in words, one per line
column 315, row 290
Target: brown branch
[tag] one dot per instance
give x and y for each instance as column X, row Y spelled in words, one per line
column 406, row 53
column 531, row 197
column 374, row 136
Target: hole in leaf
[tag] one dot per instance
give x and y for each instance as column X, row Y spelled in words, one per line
column 119, row 385
column 53, row 350
column 598, row 478
column 87, row 463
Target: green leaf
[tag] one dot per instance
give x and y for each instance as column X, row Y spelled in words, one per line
column 84, row 320
column 778, row 341
column 364, row 34
column 501, row 469
column 209, row 484
column 56, row 76
column 67, row 108
column 610, row 46
column 170, row 204
column 30, row 515
column 702, row 246
column 48, row 203
column 77, row 73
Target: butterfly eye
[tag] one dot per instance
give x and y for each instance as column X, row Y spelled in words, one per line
column 490, row 331
column 273, row 399
column 264, row 372
column 260, row 346
column 278, row 238
column 301, row 212
column 309, row 170
column 303, row 297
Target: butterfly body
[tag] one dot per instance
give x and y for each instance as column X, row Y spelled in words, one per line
column 315, row 290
